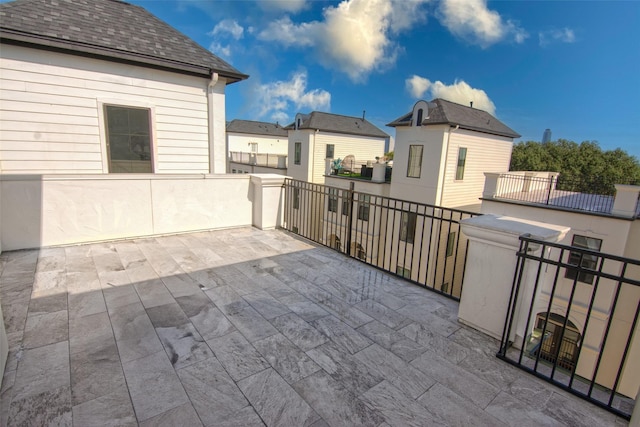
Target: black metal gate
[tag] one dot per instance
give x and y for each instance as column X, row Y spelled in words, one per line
column 419, row 242
column 573, row 321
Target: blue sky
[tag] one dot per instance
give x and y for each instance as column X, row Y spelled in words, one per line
column 571, row 66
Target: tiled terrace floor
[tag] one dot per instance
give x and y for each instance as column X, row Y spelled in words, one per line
column 244, row 327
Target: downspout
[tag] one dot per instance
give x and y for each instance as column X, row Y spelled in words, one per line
column 313, row 154
column 446, row 161
column 210, row 86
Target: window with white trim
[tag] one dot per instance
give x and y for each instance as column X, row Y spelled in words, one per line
column 297, row 153
column 414, row 166
column 582, row 259
column 462, row 160
column 129, row 147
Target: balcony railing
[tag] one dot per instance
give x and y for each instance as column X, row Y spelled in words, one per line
column 419, row 242
column 592, row 195
column 571, row 321
column 259, row 159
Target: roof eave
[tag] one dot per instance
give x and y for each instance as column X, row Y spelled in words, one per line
column 99, row 52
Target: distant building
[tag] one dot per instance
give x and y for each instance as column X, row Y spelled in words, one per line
column 256, row 147
column 546, row 136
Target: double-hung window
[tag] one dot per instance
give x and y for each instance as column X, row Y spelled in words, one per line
column 414, row 167
column 363, row 207
column 582, row 259
column 408, row 226
column 297, row 153
column 330, row 151
column 128, row 139
column 332, row 205
column 462, row 159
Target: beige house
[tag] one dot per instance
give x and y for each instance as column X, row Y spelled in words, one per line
column 584, row 318
column 316, row 137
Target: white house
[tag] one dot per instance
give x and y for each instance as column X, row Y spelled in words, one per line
column 442, row 150
column 257, row 147
column 106, row 87
column 316, row 137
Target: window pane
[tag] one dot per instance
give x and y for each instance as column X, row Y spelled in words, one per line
column 330, row 148
column 297, row 155
column 588, row 261
column 363, row 207
column 451, row 243
column 415, row 161
column 408, row 226
column 462, row 158
column 128, row 139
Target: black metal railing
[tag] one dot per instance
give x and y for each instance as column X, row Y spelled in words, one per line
column 574, row 323
column 594, row 195
column 259, row 159
column 419, row 242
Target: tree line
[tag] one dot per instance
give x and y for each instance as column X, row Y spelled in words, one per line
column 582, row 167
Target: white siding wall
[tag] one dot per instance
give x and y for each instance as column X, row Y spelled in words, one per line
column 485, row 153
column 303, row 170
column 362, row 147
column 51, row 114
column 425, row 188
column 266, row 144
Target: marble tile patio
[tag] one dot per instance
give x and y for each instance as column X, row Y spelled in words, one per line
column 248, row 328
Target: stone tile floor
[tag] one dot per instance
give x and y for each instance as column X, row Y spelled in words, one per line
column 246, row 327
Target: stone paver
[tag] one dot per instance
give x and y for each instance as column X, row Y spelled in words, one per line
column 245, row 327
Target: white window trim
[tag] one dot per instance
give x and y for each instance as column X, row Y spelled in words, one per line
column 102, row 129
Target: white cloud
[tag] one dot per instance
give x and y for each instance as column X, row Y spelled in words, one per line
column 292, row 6
column 565, row 35
column 220, row 50
column 473, row 21
column 417, row 85
column 276, row 98
column 228, row 26
column 354, row 37
column 459, row 92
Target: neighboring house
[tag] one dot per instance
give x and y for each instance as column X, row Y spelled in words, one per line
column 570, row 299
column 442, row 150
column 256, row 147
column 103, row 86
column 316, row 137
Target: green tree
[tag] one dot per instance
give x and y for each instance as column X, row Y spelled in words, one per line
column 582, row 167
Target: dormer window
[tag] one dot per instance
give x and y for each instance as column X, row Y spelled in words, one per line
column 298, row 123
column 419, row 118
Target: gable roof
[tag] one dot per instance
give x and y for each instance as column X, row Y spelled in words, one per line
column 339, row 124
column 447, row 112
column 256, row 128
column 108, row 29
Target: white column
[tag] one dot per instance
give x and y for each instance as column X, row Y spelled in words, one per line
column 490, row 185
column 379, row 170
column 267, row 200
column 491, row 261
column 626, row 201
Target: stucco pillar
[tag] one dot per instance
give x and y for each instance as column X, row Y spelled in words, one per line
column 490, row 185
column 491, row 262
column 378, row 173
column 267, row 200
column 626, row 202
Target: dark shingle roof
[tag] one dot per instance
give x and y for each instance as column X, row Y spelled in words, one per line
column 256, row 128
column 450, row 113
column 340, row 124
column 108, row 29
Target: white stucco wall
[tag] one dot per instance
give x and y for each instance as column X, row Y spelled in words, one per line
column 303, row 171
column 52, row 119
column 65, row 209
